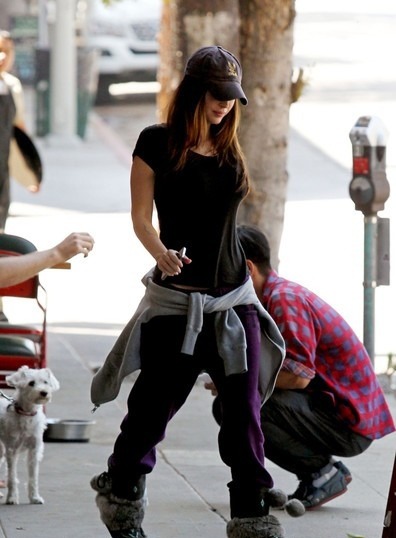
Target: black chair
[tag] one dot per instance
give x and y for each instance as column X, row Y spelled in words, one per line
column 22, row 344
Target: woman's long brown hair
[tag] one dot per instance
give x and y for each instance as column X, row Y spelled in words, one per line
column 187, row 126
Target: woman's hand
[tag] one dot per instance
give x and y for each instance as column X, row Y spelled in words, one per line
column 170, row 262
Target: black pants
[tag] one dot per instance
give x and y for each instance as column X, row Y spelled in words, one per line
column 302, row 432
column 164, row 383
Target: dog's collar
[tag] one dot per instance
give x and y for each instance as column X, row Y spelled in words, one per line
column 20, row 411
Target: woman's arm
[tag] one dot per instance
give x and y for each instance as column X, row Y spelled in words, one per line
column 142, row 202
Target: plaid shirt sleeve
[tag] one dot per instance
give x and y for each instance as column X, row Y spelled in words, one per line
column 297, row 326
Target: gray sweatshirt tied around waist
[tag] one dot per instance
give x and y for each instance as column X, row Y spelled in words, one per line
column 124, row 358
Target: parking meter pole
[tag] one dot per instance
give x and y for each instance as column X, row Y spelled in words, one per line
column 369, row 284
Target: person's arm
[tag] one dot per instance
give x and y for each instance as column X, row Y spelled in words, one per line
column 16, row 269
column 293, row 314
column 288, row 380
column 285, row 380
column 19, row 100
column 19, row 120
column 142, row 200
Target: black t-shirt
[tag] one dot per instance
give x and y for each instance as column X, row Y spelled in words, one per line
column 197, row 209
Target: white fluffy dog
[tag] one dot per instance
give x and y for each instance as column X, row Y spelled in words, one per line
column 22, row 424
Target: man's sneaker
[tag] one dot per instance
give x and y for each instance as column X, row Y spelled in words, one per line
column 345, row 471
column 102, row 483
column 312, row 497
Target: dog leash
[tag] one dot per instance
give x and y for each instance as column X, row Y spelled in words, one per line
column 6, row 397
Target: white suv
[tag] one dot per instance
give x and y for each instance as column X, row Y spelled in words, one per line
column 125, row 34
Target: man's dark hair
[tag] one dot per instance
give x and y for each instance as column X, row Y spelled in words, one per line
column 256, row 247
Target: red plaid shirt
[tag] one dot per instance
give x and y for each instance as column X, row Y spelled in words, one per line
column 321, row 346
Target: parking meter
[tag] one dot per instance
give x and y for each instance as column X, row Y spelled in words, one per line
column 369, row 187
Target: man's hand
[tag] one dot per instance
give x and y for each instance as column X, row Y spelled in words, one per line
column 209, row 385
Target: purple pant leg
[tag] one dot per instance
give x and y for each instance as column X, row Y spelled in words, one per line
column 241, row 441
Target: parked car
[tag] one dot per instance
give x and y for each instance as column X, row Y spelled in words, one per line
column 125, row 34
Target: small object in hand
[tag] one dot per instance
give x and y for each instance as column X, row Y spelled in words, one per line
column 180, row 255
column 62, row 265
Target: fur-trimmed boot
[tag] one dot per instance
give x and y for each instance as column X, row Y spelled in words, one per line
column 250, row 515
column 255, row 527
column 122, row 517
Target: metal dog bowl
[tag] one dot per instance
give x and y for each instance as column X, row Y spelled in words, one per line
column 68, row 430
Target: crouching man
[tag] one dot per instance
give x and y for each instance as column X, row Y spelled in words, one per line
column 327, row 401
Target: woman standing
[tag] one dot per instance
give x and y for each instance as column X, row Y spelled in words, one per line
column 200, row 311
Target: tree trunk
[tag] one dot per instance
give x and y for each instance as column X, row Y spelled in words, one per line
column 168, row 73
column 186, row 26
column 266, row 56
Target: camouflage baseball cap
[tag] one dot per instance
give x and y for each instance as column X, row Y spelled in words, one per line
column 220, row 70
